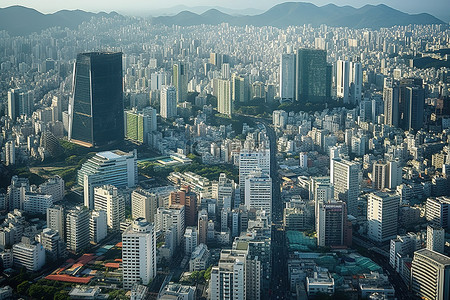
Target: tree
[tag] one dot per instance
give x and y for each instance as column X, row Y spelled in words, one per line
column 23, row 287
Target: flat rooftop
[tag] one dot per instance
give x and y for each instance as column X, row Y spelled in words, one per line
column 436, row 256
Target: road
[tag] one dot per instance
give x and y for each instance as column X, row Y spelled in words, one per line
column 279, row 287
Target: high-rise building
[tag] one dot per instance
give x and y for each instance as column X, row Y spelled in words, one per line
column 435, row 238
column 143, row 205
column 258, row 192
column 343, row 80
column 382, row 216
column 228, row 279
column 139, row 124
column 15, row 192
column 430, row 275
column 239, row 89
column 55, row 219
column 224, row 104
column 138, row 253
column 332, row 218
column 437, row 211
column 250, row 160
column 108, row 199
column 77, row 229
column 96, row 108
column 391, row 102
column 313, row 76
column 110, row 167
column 168, row 101
column 53, row 186
column 202, row 226
column 10, row 153
column 411, row 104
column 345, row 179
column 287, row 77
column 98, row 227
column 223, row 191
column 180, row 81
column 402, row 248
column 34, row 203
column 190, row 240
column 187, row 198
column 355, row 82
column 20, row 103
column 172, row 217
column 379, row 180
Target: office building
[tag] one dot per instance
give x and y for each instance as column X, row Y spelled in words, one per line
column 435, row 238
column 345, row 179
column 190, row 240
column 10, row 153
column 138, row 253
column 412, row 104
column 332, row 218
column 180, row 81
column 98, row 227
column 96, row 108
column 143, row 205
column 401, row 248
column 202, row 225
column 168, row 101
column 139, row 124
column 430, row 275
column 56, row 219
column 15, row 191
column 224, row 104
column 108, row 199
column 239, row 89
column 187, row 198
column 110, row 167
column 258, row 192
column 28, row 254
column 356, row 79
column 287, row 77
column 20, row 103
column 382, row 216
column 386, row 175
column 391, row 94
column 343, row 80
column 77, row 229
column 313, row 76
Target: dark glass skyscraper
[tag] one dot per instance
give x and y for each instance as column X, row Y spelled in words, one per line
column 412, row 103
column 313, row 76
column 96, row 108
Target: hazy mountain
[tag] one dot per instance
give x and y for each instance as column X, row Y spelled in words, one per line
column 197, row 10
column 299, row 13
column 19, row 20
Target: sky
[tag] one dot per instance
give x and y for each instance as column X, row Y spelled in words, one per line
column 438, row 8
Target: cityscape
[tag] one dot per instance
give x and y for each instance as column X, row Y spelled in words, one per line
column 296, row 152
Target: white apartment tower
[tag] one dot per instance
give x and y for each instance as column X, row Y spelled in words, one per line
column 138, row 253
column 98, row 228
column 287, row 77
column 228, row 279
column 108, row 199
column 224, row 104
column 77, row 229
column 258, row 192
column 435, row 238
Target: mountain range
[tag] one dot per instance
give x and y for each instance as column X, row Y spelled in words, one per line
column 300, row 13
column 19, row 20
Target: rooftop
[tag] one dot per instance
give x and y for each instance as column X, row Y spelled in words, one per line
column 435, row 256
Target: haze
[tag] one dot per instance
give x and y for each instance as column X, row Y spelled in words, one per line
column 438, row 8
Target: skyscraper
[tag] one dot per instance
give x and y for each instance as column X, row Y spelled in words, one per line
column 239, row 89
column 343, row 80
column 313, row 76
column 345, row 178
column 224, row 104
column 430, row 275
column 391, row 102
column 96, row 108
column 77, row 229
column 411, row 104
column 250, row 160
column 19, row 103
column 180, row 81
column 138, row 253
column 168, row 107
column 287, row 77
column 355, row 82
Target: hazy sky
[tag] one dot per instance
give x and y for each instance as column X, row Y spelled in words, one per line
column 439, row 8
